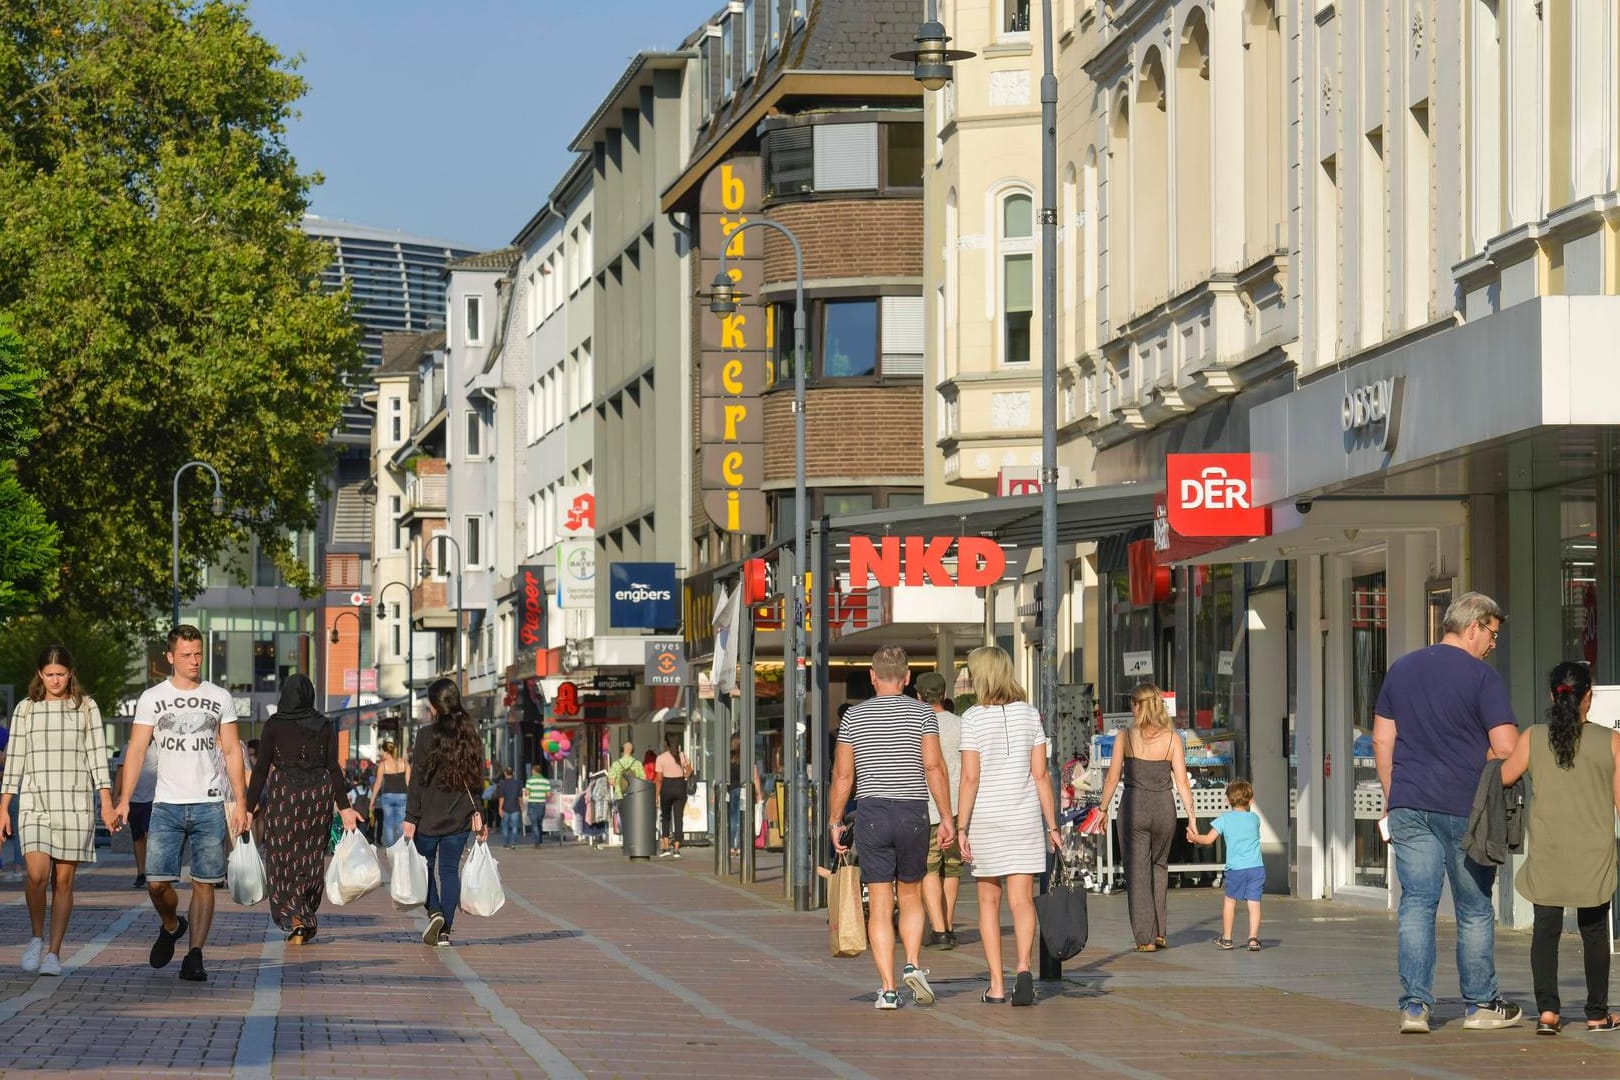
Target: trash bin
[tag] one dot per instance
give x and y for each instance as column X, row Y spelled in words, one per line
column 638, row 819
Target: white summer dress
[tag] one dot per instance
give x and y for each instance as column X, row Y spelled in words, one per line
column 1005, row 833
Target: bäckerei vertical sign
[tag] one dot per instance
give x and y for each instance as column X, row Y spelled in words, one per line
column 735, row 351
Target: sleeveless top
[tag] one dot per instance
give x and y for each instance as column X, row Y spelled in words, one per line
column 1146, row 774
column 393, row 783
column 1571, row 859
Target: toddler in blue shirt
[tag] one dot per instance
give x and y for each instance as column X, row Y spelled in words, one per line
column 1245, row 871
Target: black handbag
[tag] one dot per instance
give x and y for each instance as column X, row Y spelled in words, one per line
column 1065, row 924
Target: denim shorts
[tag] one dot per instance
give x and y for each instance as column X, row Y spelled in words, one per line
column 1246, row 884
column 174, row 824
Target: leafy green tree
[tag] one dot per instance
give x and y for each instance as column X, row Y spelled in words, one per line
column 103, row 656
column 153, row 262
column 28, row 542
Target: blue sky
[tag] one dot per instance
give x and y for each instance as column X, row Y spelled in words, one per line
column 451, row 118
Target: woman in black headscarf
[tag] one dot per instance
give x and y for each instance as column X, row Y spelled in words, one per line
column 298, row 756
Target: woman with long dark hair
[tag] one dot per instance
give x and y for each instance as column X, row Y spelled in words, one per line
column 672, row 768
column 57, row 762
column 300, row 778
column 441, row 812
column 1571, row 861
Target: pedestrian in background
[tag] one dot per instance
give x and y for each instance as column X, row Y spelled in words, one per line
column 944, row 879
column 672, row 769
column 296, row 786
column 888, row 747
column 1441, row 712
column 11, row 859
column 509, row 804
column 441, row 813
column 388, row 790
column 1151, row 760
column 1007, row 817
column 536, row 793
column 58, row 767
column 1245, row 870
column 140, row 809
column 1575, row 772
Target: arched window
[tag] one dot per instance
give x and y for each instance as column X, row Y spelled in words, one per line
column 1090, row 260
column 1015, row 243
column 1194, row 165
column 1118, row 179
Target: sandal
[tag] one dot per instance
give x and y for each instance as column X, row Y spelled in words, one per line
column 1608, row 1023
column 1149, row 947
column 1549, row 1027
column 1254, row 944
column 1223, row 942
column 1161, row 943
column 1024, row 989
column 990, row 999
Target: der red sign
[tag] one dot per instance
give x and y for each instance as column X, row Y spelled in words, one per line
column 1212, row 495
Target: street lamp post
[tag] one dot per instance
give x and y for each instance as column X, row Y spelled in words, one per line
column 359, row 638
column 723, row 301
column 410, row 637
column 455, row 644
column 931, row 60
column 174, row 521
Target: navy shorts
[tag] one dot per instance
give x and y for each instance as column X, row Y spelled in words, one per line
column 891, row 839
column 140, row 820
column 1246, row 884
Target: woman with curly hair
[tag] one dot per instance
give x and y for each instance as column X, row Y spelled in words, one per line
column 441, row 812
column 1571, row 861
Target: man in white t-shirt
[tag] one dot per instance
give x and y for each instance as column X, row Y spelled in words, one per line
column 192, row 723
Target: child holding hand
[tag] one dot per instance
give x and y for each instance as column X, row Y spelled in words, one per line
column 1245, row 871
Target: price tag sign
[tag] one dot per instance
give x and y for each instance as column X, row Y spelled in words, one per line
column 1223, row 663
column 1138, row 664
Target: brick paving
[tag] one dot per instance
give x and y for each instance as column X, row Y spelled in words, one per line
column 602, row 968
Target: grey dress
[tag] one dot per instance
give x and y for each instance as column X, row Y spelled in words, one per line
column 1571, row 859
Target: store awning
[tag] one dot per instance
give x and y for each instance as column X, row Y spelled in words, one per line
column 1084, row 514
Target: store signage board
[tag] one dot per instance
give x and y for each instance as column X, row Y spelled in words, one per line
column 576, row 574
column 1373, row 409
column 642, row 595
column 530, row 624
column 920, row 560
column 666, row 664
column 576, row 513
column 1212, row 495
column 613, row 682
column 1139, row 665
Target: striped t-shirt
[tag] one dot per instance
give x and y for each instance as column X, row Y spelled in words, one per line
column 886, row 735
column 537, row 787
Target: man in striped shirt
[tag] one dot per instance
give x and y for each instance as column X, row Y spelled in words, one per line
column 536, row 790
column 888, row 749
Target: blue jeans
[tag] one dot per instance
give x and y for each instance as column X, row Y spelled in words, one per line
column 13, row 859
column 537, row 821
column 511, row 827
column 443, row 855
column 736, row 797
column 393, row 816
column 1428, row 852
column 202, row 825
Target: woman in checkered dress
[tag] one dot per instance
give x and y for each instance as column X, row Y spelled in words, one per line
column 57, row 765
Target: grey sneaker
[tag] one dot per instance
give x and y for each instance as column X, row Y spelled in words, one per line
column 1415, row 1019
column 1488, row 1015
column 887, row 999
column 33, row 954
column 917, row 979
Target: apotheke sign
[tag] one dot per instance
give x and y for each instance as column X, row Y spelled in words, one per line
column 1367, row 407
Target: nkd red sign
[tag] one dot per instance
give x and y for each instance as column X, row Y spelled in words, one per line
column 920, row 560
column 1213, row 495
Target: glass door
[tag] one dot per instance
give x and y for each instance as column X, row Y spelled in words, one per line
column 1369, row 659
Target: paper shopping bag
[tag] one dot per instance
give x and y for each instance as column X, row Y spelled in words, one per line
column 846, row 922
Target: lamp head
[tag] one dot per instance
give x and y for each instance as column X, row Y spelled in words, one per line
column 334, row 635
column 382, row 611
column 932, row 58
column 722, row 295
column 219, row 501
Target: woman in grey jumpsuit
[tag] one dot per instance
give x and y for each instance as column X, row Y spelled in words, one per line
column 1150, row 757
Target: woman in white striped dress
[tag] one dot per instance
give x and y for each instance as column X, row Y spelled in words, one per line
column 57, row 764
column 1006, row 798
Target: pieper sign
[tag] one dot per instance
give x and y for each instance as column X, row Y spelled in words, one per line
column 1212, row 495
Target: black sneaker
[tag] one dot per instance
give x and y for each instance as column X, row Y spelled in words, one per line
column 444, row 941
column 933, row 939
column 163, row 947
column 1488, row 1015
column 191, row 968
column 430, row 935
column 950, row 940
column 140, row 882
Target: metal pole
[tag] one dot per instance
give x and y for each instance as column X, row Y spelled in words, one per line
column 817, row 743
column 1051, row 603
column 745, row 751
column 174, row 536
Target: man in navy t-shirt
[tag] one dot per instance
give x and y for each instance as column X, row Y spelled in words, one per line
column 1441, row 713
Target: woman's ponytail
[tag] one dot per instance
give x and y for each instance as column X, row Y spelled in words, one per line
column 1570, row 683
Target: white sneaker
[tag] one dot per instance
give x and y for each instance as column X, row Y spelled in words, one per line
column 31, row 955
column 51, row 965
column 665, row 853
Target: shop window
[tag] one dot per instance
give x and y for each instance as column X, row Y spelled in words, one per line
column 1369, row 660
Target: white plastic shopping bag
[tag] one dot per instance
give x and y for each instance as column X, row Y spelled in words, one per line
column 481, row 892
column 245, row 872
column 353, row 871
column 407, row 875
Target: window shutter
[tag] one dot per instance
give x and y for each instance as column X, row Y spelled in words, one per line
column 788, row 154
column 846, row 157
column 902, row 335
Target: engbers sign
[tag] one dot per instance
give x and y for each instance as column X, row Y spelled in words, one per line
column 734, row 359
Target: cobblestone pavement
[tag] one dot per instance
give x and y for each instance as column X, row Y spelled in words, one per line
column 604, row 968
